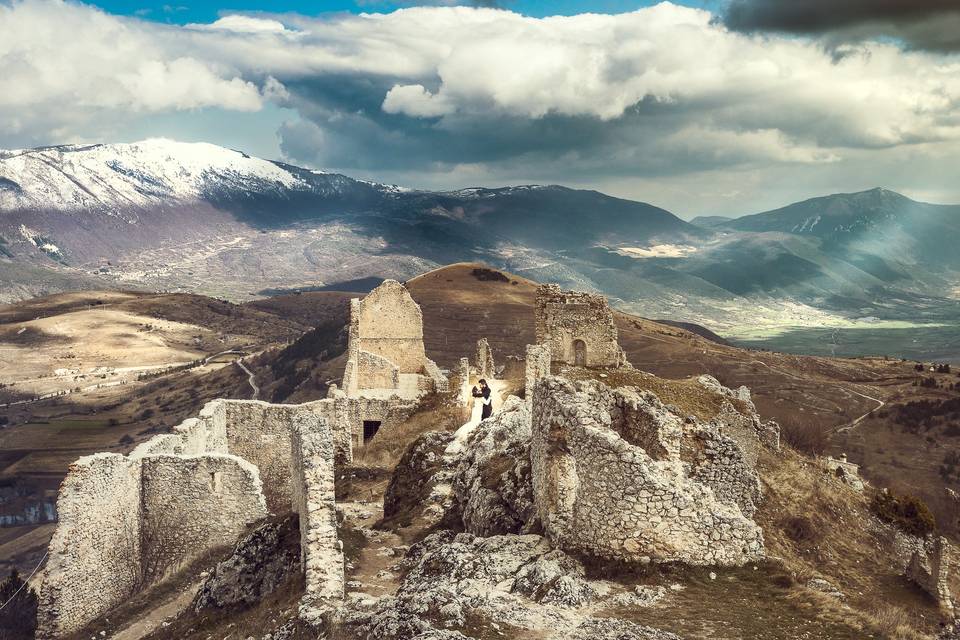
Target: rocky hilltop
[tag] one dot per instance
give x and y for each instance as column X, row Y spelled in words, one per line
column 598, row 502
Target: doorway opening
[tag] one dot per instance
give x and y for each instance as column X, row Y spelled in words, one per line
column 370, row 428
column 580, row 353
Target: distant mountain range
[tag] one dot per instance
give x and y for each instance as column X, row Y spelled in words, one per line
column 165, row 215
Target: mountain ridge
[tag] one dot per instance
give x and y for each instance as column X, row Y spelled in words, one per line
column 193, row 217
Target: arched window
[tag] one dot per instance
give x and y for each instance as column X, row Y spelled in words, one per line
column 580, row 353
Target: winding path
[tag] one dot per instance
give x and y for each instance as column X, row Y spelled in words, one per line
column 250, row 378
column 850, row 426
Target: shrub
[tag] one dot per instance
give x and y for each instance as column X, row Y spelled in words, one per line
column 484, row 274
column 806, row 434
column 18, row 619
column 905, row 511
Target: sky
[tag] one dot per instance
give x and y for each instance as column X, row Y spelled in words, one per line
column 707, row 107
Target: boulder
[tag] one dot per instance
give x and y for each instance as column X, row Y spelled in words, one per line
column 260, row 563
column 420, row 484
column 457, row 580
column 491, row 482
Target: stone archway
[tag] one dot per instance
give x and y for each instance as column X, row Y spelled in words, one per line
column 579, row 353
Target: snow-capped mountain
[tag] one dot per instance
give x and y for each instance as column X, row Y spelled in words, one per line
column 147, row 206
column 120, row 179
column 165, row 215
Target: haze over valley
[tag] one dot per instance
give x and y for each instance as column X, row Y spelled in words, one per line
column 868, row 273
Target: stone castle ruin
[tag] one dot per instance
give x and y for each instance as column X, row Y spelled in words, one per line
column 618, row 475
column 126, row 522
column 387, row 368
column 611, row 473
column 386, row 353
column 577, row 327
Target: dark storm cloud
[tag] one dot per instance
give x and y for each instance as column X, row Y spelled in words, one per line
column 920, row 24
column 652, row 138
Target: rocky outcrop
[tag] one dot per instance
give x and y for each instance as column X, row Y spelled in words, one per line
column 929, row 568
column 420, row 484
column 492, row 482
column 517, row 581
column 260, row 563
column 612, row 629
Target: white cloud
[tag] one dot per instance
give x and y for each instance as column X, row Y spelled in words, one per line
column 415, row 100
column 663, row 90
column 242, row 24
column 63, row 64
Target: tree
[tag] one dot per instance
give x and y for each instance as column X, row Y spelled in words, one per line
column 18, row 619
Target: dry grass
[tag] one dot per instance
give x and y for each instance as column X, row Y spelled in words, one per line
column 436, row 412
column 687, row 395
column 894, row 623
column 821, row 528
column 807, row 434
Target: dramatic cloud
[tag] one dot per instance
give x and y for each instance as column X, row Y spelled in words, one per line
column 666, row 93
column 922, row 24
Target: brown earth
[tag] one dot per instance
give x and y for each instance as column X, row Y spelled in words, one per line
column 812, row 397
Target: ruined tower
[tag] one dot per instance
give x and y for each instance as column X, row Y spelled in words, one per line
column 577, row 327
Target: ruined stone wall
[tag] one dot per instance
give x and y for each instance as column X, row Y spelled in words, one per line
column 312, row 473
column 125, row 522
column 598, row 493
column 259, row 432
column 386, row 345
column 437, row 381
column 377, row 372
column 743, row 426
column 537, row 366
column 565, row 319
column 845, row 470
column 390, row 324
column 463, row 375
column 718, row 461
column 191, row 504
column 930, row 566
column 335, row 412
column 387, row 411
column 95, row 550
column 485, row 366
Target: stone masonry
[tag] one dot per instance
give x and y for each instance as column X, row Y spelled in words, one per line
column 387, row 368
column 321, row 552
column 537, row 367
column 485, row 366
column 386, row 356
column 618, row 475
column 128, row 521
column 577, row 327
column 930, row 566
